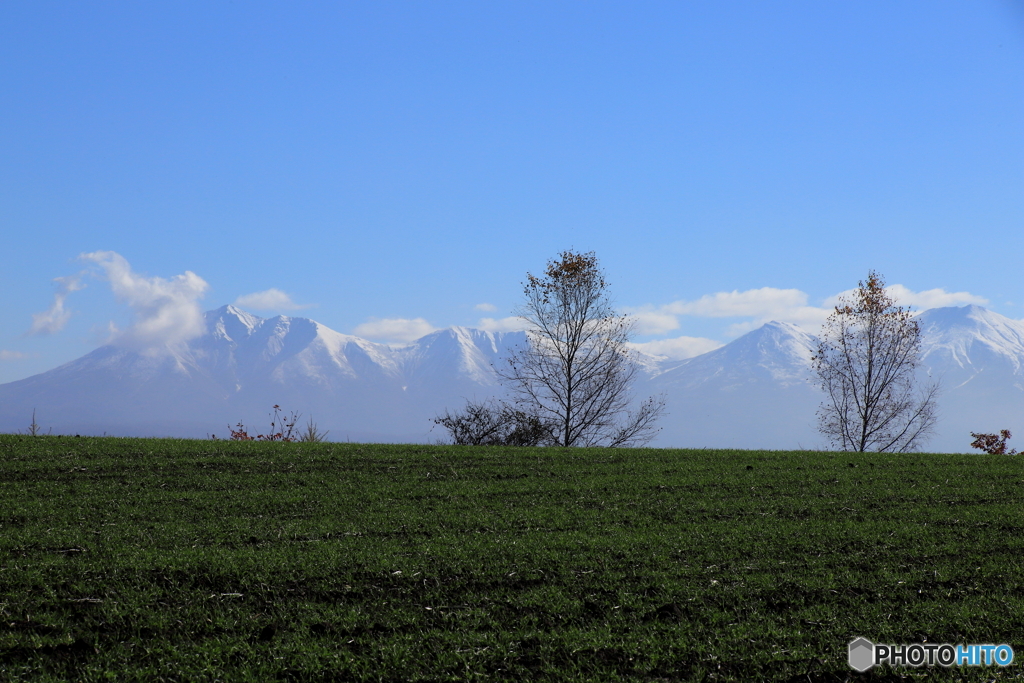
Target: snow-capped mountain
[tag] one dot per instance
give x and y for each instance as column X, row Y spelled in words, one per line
column 971, row 344
column 357, row 389
column 752, row 393
column 978, row 358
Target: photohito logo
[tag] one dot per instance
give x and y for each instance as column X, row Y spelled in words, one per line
column 863, row 654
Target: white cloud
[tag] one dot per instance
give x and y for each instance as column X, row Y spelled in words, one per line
column 269, row 300
column 679, row 348
column 766, row 304
column 650, row 321
column 394, row 330
column 486, row 307
column 753, row 302
column 14, row 355
column 762, row 305
column 808, row 318
column 510, row 324
column 934, row 298
column 930, row 298
column 56, row 317
column 165, row 312
column 104, row 333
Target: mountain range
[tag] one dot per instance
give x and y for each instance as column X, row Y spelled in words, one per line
column 754, row 392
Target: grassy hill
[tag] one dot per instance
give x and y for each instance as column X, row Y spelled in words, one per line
column 145, row 559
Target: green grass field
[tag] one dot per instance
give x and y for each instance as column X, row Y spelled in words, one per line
column 145, row 559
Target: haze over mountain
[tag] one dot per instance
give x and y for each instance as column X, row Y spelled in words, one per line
column 751, row 393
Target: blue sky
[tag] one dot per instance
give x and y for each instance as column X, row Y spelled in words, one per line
column 389, row 168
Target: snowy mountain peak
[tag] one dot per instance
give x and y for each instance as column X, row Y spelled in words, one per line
column 753, row 392
column 469, row 352
column 972, row 320
column 784, row 333
column 769, row 343
column 775, row 352
column 965, row 336
column 231, row 323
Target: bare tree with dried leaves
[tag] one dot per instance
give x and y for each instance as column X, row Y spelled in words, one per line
column 866, row 362
column 576, row 373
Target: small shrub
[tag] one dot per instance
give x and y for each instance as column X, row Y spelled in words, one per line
column 34, row 429
column 493, row 423
column 281, row 429
column 993, row 444
column 311, row 435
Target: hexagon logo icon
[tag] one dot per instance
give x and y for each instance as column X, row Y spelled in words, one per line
column 862, row 654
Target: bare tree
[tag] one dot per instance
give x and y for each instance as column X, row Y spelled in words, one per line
column 576, row 373
column 866, row 362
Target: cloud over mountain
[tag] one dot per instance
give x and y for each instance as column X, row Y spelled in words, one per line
column 512, row 323
column 56, row 316
column 165, row 313
column 760, row 305
column 394, row 330
column 272, row 299
column 929, row 298
column 679, row 348
column 767, row 304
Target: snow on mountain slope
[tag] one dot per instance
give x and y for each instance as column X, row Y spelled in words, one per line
column 776, row 352
column 246, row 364
column 973, row 340
column 753, row 393
column 756, row 391
column 472, row 354
column 978, row 358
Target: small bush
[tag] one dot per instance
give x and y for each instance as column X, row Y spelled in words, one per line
column 493, row 423
column 993, row 444
column 281, row 429
column 310, row 434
